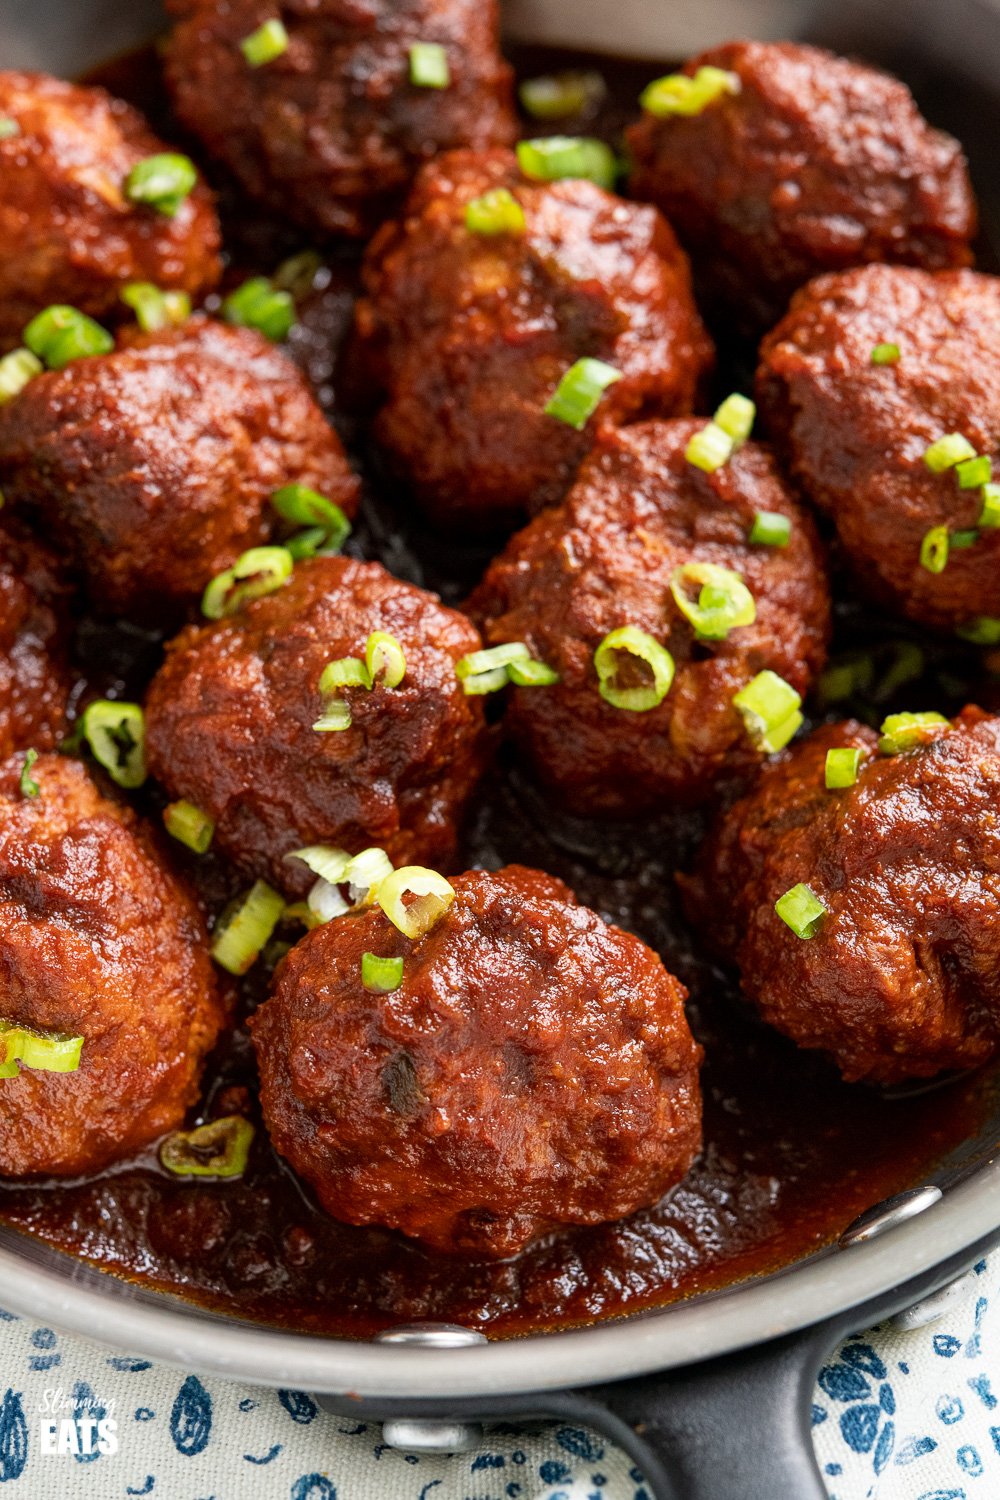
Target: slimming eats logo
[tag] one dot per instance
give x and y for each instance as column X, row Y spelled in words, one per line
column 66, row 1430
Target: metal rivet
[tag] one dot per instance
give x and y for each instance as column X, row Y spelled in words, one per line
column 887, row 1214
column 418, row 1435
column 432, row 1335
column 929, row 1309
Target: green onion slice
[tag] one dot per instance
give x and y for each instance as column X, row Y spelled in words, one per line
column 771, row 711
column 256, row 573
column 962, row 539
column 162, row 181
column 555, row 157
column 841, row 768
column 982, row 631
column 189, row 825
column 491, row 659
column 345, row 672
column 990, row 514
column 622, row 649
column 265, row 44
column 972, row 472
column 934, row 549
column 885, row 354
column 736, row 417
column 48, row 1051
column 556, row 96
column 298, row 274
column 431, row 897
column 947, row 452
column 723, row 602
column 489, row 670
column 381, row 975
column 801, row 910
column 679, row 94
column 27, row 786
column 770, row 529
column 16, row 369
column 309, row 543
column 384, row 659
column 8, row 128
column 579, row 392
column 709, row 448
column 307, row 507
column 365, row 874
column 218, row 1149
column 906, row 731
column 258, row 304
column 495, row 212
column 241, row 934
column 531, row 674
column 116, row 734
column 335, row 717
column 325, row 860
column 155, row 309
column 429, row 66
column 60, row 334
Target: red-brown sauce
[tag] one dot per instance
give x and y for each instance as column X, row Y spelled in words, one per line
column 791, row 1155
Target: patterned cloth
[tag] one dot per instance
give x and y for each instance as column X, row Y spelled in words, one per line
column 896, row 1417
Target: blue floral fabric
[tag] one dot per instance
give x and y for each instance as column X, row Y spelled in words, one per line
column 896, row 1416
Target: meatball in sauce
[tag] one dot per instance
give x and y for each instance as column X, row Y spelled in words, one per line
column 35, row 677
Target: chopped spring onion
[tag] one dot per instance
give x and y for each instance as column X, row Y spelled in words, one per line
column 27, row 786
column 312, row 542
column 325, row 902
column 623, row 648
column 736, row 417
column 841, row 768
column 116, row 734
column 381, row 975
column 885, row 354
column 559, row 95
column 384, row 657
column 365, row 874
column 842, row 679
column 724, row 602
column 189, row 825
column 298, row 274
column 485, row 671
column 495, row 212
column 771, row 710
column 16, row 369
column 432, row 896
column 50, row 1052
column 306, row 507
column 579, row 392
column 990, row 513
column 709, row 448
column 258, row 304
column 972, row 472
column 801, row 910
column 347, row 671
column 335, row 716
column 962, row 539
column 770, row 529
column 555, row 157
column 906, row 731
column 983, row 631
column 163, row 181
column 155, row 309
column 218, row 1149
column 362, row 874
column 8, row 128
column 262, row 46
column 531, row 674
column 62, row 333
column 681, row 94
column 948, row 451
column 934, row 549
column 325, row 860
column 256, row 573
column 240, row 936
column 429, row 66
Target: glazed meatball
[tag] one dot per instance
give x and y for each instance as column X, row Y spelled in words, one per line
column 230, row 721
column 69, row 233
column 533, row 1070
column 606, row 559
column 153, row 466
column 99, row 940
column 899, row 978
column 334, row 128
column 35, row 679
column 813, row 164
column 469, row 334
column 855, row 433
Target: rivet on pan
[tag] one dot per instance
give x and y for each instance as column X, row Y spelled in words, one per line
column 418, row 1435
column 889, row 1213
column 929, row 1309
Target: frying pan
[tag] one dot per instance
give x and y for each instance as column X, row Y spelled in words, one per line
column 710, row 1396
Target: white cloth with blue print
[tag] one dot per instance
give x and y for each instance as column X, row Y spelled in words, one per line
column 895, row 1417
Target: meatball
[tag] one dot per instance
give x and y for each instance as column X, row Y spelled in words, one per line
column 69, row 233
column 470, row 334
column 533, row 1070
column 334, row 127
column 231, row 714
column 813, row 164
column 607, row 558
column 153, row 465
column 855, row 433
column 35, row 679
column 899, row 978
column 97, row 939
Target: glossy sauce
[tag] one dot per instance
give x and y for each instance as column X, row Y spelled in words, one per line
column 791, row 1154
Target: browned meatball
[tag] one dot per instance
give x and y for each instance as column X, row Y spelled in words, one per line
column 605, row 559
column 230, row 724
column 855, row 433
column 333, row 128
column 899, row 979
column 533, row 1070
column 35, row 679
column 67, row 230
column 814, row 164
column 153, row 465
column 469, row 335
column 99, row 940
